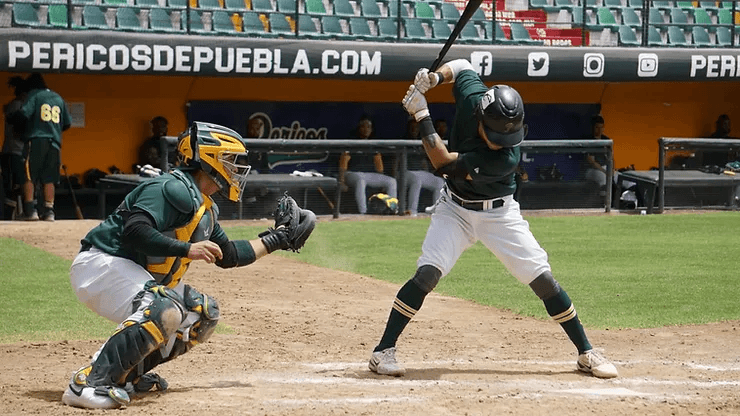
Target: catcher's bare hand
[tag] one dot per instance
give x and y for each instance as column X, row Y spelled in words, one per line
column 425, row 80
column 205, row 250
column 415, row 103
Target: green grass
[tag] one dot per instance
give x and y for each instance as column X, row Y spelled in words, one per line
column 620, row 271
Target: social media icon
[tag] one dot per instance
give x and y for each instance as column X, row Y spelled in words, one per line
column 647, row 65
column 593, row 65
column 482, row 62
column 538, row 64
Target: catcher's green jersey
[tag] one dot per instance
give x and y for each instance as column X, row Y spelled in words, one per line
column 179, row 211
column 47, row 116
column 492, row 170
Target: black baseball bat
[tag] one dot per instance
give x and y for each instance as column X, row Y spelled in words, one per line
column 78, row 211
column 471, row 7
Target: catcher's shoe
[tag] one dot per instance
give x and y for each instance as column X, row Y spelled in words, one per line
column 150, row 381
column 33, row 216
column 593, row 362
column 48, row 215
column 79, row 394
column 384, row 363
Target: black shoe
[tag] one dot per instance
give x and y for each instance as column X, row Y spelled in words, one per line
column 48, row 215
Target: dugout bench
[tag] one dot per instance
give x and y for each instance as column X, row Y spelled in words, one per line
column 653, row 183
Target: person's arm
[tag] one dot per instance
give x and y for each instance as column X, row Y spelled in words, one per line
column 378, row 162
column 594, row 164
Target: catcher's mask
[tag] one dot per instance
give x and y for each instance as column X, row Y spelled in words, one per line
column 217, row 151
column 501, row 110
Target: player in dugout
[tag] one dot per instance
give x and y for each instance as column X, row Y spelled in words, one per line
column 130, row 267
column 477, row 204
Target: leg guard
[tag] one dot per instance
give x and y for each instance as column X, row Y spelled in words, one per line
column 545, row 286
column 202, row 317
column 135, row 341
column 427, row 277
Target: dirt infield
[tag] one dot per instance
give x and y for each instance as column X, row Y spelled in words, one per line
column 302, row 337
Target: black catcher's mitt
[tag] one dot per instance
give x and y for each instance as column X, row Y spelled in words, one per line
column 293, row 226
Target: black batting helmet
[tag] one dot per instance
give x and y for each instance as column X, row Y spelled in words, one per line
column 501, row 110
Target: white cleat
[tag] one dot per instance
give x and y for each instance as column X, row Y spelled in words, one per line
column 79, row 394
column 594, row 363
column 384, row 363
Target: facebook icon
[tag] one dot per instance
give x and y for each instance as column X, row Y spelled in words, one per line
column 482, row 62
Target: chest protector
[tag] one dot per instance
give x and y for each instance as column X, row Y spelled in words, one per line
column 168, row 271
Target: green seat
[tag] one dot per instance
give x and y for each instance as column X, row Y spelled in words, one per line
column 58, row 15
column 605, row 18
column 147, row 3
column 708, row 5
column 25, row 14
column 724, row 16
column 279, row 24
column 114, row 2
column 654, row 37
column 307, row 27
column 235, row 5
column 343, row 8
column 685, row 4
column 127, row 18
column 500, row 34
column 700, row 36
column 520, row 34
column 627, row 36
column 724, row 36
column 414, row 30
column 360, row 28
column 209, row 4
column 93, row 17
column 393, row 9
column 369, row 8
column 630, row 18
column 387, row 29
column 450, row 12
column 160, row 20
column 195, row 21
column 614, row 4
column 469, row 33
column 262, row 6
column 701, row 17
column 287, row 6
column 440, row 30
column 331, row 25
column 577, row 14
column 655, row 17
column 222, row 23
column 676, row 36
column 177, row 4
column 666, row 5
column 679, row 17
column 253, row 25
column 423, row 10
column 478, row 16
column 315, row 7
column 635, row 4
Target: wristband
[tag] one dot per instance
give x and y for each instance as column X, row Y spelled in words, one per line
column 427, row 132
column 419, row 115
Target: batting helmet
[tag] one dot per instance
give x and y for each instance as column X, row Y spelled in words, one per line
column 216, row 150
column 501, row 110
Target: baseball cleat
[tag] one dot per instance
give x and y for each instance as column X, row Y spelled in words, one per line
column 150, row 381
column 593, row 362
column 79, row 394
column 33, row 216
column 48, row 215
column 384, row 363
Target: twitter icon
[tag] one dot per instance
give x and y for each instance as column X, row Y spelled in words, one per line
column 538, row 64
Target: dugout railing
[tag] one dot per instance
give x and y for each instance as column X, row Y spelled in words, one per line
column 653, row 183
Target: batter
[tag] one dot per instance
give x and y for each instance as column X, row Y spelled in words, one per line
column 477, row 204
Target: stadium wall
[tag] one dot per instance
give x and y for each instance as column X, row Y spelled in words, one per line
column 117, row 108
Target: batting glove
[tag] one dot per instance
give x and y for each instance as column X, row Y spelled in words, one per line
column 415, row 103
column 425, row 80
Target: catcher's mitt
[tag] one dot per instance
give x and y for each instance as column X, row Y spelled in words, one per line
column 293, row 226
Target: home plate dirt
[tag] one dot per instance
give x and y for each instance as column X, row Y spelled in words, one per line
column 296, row 340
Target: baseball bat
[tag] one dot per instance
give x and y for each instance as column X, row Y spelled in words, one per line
column 470, row 8
column 78, row 211
column 328, row 201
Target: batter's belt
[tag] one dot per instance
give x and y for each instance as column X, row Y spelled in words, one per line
column 478, row 205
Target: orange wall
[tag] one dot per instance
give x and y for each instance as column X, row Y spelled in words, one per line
column 118, row 108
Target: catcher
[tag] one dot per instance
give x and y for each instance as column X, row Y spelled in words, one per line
column 130, row 267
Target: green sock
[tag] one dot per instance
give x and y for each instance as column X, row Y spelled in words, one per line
column 407, row 303
column 561, row 309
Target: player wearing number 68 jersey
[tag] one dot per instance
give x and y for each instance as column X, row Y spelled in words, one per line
column 45, row 117
column 477, row 204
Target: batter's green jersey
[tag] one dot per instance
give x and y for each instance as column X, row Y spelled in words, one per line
column 172, row 201
column 46, row 116
column 492, row 170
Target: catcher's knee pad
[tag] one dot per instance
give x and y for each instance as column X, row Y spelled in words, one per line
column 427, row 277
column 207, row 309
column 545, row 286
